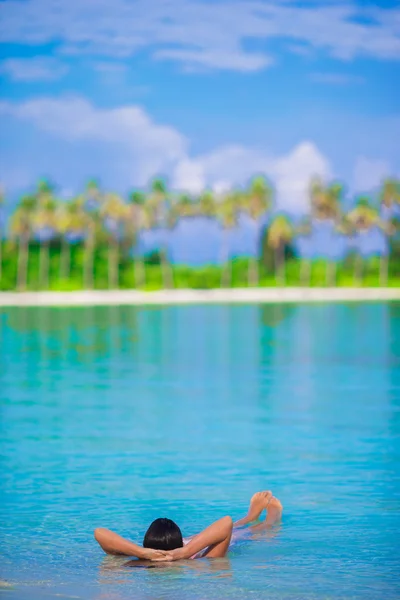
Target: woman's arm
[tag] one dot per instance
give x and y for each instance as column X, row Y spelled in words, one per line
column 215, row 538
column 112, row 543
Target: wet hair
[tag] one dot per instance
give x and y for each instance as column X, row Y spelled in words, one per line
column 163, row 534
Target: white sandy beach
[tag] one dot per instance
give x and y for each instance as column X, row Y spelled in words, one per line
column 216, row 296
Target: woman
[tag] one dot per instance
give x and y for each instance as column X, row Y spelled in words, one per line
column 163, row 540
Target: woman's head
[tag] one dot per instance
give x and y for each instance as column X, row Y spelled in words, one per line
column 163, row 534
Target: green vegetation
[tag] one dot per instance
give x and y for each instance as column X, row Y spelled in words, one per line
column 183, row 277
column 87, row 242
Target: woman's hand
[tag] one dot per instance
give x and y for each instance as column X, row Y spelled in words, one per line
column 156, row 555
column 171, row 555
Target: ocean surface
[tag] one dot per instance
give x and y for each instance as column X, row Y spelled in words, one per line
column 114, row 416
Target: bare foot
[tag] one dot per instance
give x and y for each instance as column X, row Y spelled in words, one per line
column 274, row 511
column 259, row 502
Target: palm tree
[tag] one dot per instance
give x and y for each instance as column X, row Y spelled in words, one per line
column 304, row 229
column 45, row 227
column 227, row 211
column 1, row 228
column 280, row 234
column 334, row 193
column 259, row 200
column 362, row 218
column 21, row 229
column 159, row 188
column 113, row 213
column 331, row 273
column 316, row 195
column 206, row 204
column 184, row 207
column 44, row 192
column 325, row 200
column 390, row 192
column 389, row 229
column 63, row 219
column 134, row 224
column 326, row 206
column 91, row 227
column 71, row 224
column 343, row 227
column 93, row 196
column 93, row 200
column 159, row 199
column 389, row 196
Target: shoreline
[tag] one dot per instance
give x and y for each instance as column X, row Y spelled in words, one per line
column 190, row 296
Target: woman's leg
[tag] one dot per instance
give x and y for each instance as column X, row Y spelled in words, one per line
column 274, row 515
column 258, row 503
column 221, row 548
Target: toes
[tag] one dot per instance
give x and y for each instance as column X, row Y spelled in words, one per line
column 267, row 498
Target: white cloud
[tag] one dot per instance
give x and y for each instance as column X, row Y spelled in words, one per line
column 110, row 68
column 220, row 188
column 237, row 61
column 136, row 148
column 369, row 174
column 115, row 74
column 33, row 69
column 234, row 165
column 127, row 132
column 292, row 175
column 336, row 78
column 189, row 176
column 208, row 34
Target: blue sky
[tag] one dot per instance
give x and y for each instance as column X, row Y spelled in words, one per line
column 205, row 93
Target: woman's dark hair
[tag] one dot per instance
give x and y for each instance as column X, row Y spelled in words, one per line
column 163, row 534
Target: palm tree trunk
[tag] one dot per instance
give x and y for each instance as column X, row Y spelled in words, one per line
column 358, row 270
column 226, row 274
column 88, row 276
column 23, row 255
column 166, row 270
column 44, row 265
column 113, row 261
column 280, row 272
column 139, row 272
column 331, row 274
column 305, row 272
column 226, row 279
column 254, row 273
column 65, row 260
column 383, row 271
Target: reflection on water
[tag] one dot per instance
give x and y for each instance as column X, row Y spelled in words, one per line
column 220, row 567
column 113, row 416
column 87, row 333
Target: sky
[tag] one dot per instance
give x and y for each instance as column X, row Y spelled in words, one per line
column 206, row 93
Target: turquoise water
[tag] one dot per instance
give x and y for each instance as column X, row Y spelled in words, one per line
column 115, row 416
